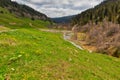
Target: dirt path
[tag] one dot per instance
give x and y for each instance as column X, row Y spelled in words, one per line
column 66, row 35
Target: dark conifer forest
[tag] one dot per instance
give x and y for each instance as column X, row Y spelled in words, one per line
column 109, row 9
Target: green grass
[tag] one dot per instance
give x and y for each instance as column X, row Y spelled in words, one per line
column 30, row 54
column 10, row 20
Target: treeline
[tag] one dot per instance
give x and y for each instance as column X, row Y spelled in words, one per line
column 109, row 9
column 22, row 10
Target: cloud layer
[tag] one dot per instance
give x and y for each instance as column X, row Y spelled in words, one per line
column 58, row 8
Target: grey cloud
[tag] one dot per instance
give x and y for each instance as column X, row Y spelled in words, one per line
column 58, row 8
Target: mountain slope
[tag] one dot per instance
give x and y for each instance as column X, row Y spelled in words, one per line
column 10, row 20
column 101, row 25
column 109, row 9
column 29, row 54
column 22, row 10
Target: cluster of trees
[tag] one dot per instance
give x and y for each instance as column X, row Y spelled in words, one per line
column 105, row 36
column 102, row 27
column 22, row 10
column 5, row 3
column 109, row 9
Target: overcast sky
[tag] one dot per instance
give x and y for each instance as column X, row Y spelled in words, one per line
column 58, row 8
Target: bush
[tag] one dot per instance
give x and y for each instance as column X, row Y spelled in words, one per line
column 1, row 12
column 106, row 37
column 32, row 18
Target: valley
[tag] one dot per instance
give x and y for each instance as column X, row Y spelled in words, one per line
column 35, row 54
column 33, row 47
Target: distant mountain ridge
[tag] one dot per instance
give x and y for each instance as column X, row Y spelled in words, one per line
column 109, row 9
column 22, row 10
column 65, row 19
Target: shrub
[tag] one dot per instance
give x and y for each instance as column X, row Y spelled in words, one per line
column 1, row 12
column 106, row 37
column 32, row 18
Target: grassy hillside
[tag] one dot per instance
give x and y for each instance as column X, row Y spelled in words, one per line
column 22, row 10
column 33, row 55
column 29, row 54
column 10, row 20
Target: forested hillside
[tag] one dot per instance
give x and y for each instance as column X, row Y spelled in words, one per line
column 109, row 9
column 101, row 25
column 22, row 10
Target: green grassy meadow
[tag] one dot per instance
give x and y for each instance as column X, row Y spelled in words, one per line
column 29, row 54
column 11, row 21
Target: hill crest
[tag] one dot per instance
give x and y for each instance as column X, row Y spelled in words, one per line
column 22, row 10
